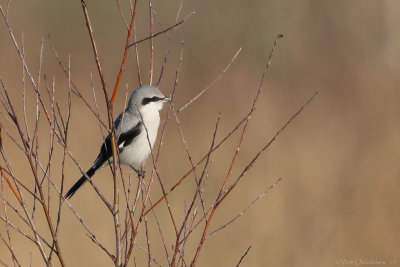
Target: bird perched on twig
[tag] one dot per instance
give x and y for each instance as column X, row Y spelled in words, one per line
column 136, row 130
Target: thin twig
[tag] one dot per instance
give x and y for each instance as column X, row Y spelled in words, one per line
column 122, row 15
column 4, row 264
column 15, row 260
column 66, row 127
column 253, row 161
column 244, row 255
column 8, row 7
column 157, row 174
column 220, row 195
column 94, row 46
column 144, row 251
column 24, row 89
column 11, row 186
column 7, row 227
column 151, row 44
column 189, row 157
column 147, row 234
column 23, row 233
column 75, row 88
column 162, row 237
column 169, row 45
column 109, row 103
column 28, row 225
column 30, row 159
column 137, row 57
column 164, row 31
column 250, row 165
column 158, row 150
column 269, row 188
column 177, row 244
column 121, row 70
column 211, row 84
column 248, row 118
column 88, row 231
column 90, row 234
column 224, row 139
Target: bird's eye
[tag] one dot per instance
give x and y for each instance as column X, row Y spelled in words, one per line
column 148, row 100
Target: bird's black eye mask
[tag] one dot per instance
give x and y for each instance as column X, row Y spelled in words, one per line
column 148, row 100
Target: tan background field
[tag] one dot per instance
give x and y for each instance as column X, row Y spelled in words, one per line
column 339, row 198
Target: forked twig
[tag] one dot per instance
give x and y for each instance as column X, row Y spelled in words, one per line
column 58, row 126
column 269, row 188
column 252, row 162
column 178, row 242
column 75, row 87
column 27, row 149
column 14, row 257
column 211, row 84
column 155, row 170
column 9, row 244
column 248, row 118
column 109, row 103
column 163, row 31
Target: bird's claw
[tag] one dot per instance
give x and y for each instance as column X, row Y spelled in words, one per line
column 141, row 173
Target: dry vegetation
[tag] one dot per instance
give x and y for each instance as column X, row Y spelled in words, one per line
column 200, row 201
column 131, row 207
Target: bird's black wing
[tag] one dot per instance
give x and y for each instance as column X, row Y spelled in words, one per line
column 124, row 140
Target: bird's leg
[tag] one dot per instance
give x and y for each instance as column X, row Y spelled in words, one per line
column 141, row 172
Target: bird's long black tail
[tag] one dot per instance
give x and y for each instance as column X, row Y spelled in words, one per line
column 81, row 181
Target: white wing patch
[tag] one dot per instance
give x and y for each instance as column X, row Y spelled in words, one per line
column 121, row 145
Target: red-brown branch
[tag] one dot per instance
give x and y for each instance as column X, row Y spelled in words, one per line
column 121, row 70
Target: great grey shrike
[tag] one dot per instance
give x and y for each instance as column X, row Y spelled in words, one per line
column 134, row 128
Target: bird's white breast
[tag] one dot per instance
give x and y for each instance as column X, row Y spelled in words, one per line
column 137, row 152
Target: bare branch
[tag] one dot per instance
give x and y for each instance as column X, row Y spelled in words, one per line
column 122, row 15
column 164, row 31
column 178, row 242
column 269, row 188
column 137, row 57
column 244, row 255
column 248, row 118
column 94, row 46
column 151, row 44
column 169, row 44
column 253, row 161
column 121, row 70
column 226, row 137
column 210, row 85
column 15, row 260
column 75, row 88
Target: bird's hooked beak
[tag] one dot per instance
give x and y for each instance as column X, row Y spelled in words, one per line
column 166, row 99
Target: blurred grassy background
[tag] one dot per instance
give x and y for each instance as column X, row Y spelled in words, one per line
column 339, row 161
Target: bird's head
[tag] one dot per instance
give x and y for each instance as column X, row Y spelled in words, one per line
column 146, row 98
